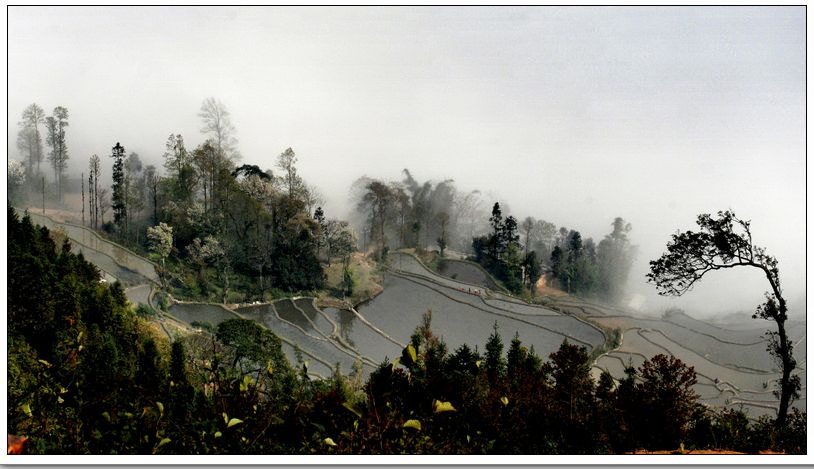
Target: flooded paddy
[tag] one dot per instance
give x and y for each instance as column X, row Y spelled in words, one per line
column 746, row 351
column 406, row 263
column 398, row 311
column 566, row 326
column 362, row 337
column 316, row 367
column 312, row 343
column 108, row 266
column 521, row 308
column 467, row 272
column 89, row 239
column 201, row 312
column 138, row 294
column 315, row 316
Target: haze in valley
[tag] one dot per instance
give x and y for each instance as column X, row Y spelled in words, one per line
column 573, row 115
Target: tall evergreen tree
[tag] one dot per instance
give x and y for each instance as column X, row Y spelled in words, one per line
column 61, row 149
column 614, row 259
column 119, row 200
column 496, row 241
column 495, row 363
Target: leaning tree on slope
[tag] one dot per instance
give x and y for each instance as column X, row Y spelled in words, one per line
column 724, row 243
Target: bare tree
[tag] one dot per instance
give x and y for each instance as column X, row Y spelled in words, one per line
column 29, row 140
column 312, row 197
column 151, row 180
column 403, row 208
column 103, row 204
column 93, row 189
column 377, row 201
column 287, row 161
column 469, row 214
column 60, row 148
column 217, row 124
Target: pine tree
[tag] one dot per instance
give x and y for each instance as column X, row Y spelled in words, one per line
column 119, row 202
column 496, row 240
column 495, row 363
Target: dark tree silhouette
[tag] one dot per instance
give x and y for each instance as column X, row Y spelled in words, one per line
column 119, row 201
column 666, row 391
column 250, row 170
column 724, row 243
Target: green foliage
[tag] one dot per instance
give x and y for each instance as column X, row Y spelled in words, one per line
column 500, row 252
column 144, row 311
column 203, row 325
column 348, row 282
column 159, row 240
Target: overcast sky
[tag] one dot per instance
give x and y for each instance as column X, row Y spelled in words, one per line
column 575, row 115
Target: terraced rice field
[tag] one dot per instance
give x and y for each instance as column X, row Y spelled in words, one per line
column 88, row 239
column 329, row 352
column 745, row 351
column 731, row 362
column 409, row 264
column 462, row 317
column 138, row 294
column 361, row 337
column 201, row 312
column 109, row 266
column 319, row 320
column 732, row 366
column 467, row 272
column 316, row 368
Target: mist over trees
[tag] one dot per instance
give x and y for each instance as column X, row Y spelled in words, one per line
column 437, row 216
column 233, row 233
column 231, row 226
column 412, row 214
column 34, row 127
column 16, row 180
column 256, row 211
column 58, row 154
column 29, row 139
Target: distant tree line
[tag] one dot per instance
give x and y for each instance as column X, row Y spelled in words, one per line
column 409, row 214
column 586, row 268
column 510, row 253
column 30, row 144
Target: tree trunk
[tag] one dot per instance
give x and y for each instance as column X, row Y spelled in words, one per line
column 82, row 182
column 96, row 201
column 786, row 389
column 155, row 204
